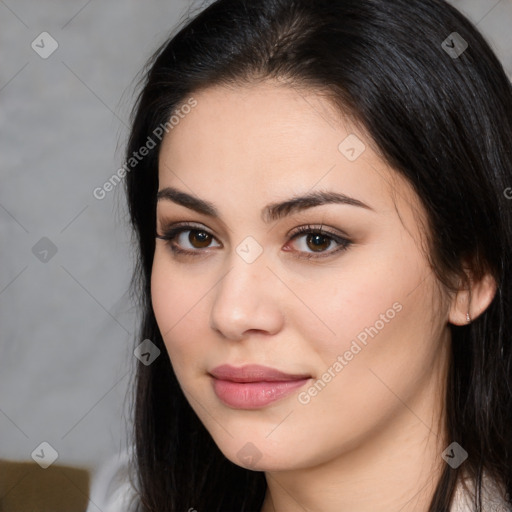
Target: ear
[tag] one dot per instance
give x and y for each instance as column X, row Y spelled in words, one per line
column 472, row 298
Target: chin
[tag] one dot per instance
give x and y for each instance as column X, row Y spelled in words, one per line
column 260, row 455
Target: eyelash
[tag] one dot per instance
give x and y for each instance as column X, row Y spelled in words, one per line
column 171, row 234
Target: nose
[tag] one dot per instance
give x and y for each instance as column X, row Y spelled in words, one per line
column 246, row 300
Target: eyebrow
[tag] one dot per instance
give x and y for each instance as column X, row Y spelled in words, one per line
column 271, row 212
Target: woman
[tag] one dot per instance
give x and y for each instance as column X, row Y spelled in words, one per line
column 318, row 192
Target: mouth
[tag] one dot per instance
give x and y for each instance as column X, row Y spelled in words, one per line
column 253, row 386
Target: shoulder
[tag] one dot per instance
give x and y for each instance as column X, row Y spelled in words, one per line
column 111, row 488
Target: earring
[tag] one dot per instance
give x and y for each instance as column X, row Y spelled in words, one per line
column 468, row 318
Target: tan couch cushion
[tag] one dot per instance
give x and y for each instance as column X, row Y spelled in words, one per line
column 26, row 487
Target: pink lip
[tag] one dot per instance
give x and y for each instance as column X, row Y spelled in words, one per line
column 253, row 386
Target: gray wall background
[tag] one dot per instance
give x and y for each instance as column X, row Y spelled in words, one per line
column 66, row 321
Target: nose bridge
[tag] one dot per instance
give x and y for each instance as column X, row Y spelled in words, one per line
column 244, row 298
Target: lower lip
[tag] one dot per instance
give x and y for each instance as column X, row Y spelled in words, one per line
column 253, row 395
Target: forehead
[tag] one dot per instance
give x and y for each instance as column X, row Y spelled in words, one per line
column 262, row 125
column 269, row 141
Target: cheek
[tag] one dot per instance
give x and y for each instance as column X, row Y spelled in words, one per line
column 177, row 300
column 381, row 323
column 363, row 298
column 376, row 328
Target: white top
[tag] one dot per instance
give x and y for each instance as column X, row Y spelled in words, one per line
column 111, row 490
column 492, row 497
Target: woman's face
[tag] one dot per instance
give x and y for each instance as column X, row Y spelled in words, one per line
column 353, row 314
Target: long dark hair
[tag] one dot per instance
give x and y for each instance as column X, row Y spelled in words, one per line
column 439, row 117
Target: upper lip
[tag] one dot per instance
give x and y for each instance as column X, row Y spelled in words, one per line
column 253, row 373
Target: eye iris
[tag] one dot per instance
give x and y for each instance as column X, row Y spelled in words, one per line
column 203, row 238
column 317, row 239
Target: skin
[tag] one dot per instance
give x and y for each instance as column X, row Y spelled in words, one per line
column 372, row 438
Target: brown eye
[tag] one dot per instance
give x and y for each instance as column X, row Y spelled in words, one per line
column 313, row 242
column 187, row 240
column 318, row 242
column 199, row 239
